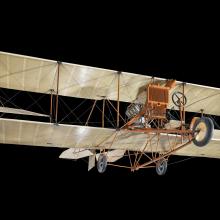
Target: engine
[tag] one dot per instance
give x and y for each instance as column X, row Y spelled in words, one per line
column 133, row 110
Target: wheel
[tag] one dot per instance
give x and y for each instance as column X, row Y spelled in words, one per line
column 161, row 167
column 179, row 99
column 102, row 163
column 203, row 131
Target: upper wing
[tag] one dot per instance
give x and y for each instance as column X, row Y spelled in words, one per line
column 40, row 75
column 27, row 73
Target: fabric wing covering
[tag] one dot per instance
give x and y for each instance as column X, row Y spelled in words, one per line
column 20, row 132
column 41, row 75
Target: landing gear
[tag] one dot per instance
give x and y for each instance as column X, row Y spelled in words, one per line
column 203, row 131
column 102, row 163
column 161, row 166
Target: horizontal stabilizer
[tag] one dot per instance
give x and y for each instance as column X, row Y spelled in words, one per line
column 113, row 155
column 75, row 153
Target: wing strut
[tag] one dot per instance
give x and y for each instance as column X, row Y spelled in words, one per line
column 57, row 95
column 118, row 98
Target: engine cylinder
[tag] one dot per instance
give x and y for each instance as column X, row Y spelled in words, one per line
column 133, row 110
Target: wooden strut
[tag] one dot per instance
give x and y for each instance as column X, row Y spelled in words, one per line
column 202, row 112
column 90, row 112
column 51, row 105
column 118, row 103
column 57, row 94
column 163, row 156
column 135, row 166
column 183, row 102
column 182, row 110
column 103, row 113
column 137, row 159
column 159, row 130
column 116, row 110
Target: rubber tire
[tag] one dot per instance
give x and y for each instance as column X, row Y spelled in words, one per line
column 209, row 131
column 164, row 167
column 102, row 163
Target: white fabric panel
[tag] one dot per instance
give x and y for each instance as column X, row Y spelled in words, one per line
column 27, row 73
column 85, row 82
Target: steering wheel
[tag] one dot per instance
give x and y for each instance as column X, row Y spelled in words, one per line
column 179, row 99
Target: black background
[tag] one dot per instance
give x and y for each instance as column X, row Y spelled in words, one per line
column 165, row 49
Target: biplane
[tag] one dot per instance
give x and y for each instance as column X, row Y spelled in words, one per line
column 145, row 133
